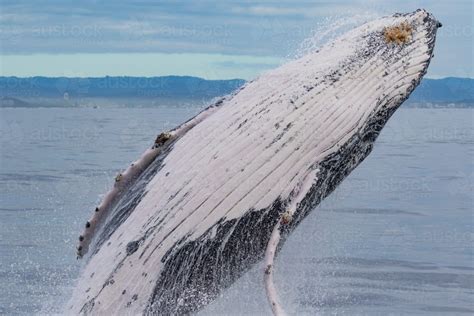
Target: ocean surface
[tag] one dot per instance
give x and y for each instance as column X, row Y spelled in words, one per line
column 395, row 238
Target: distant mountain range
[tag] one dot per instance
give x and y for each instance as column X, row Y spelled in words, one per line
column 444, row 91
column 63, row 91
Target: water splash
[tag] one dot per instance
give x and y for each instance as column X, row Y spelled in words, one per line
column 330, row 28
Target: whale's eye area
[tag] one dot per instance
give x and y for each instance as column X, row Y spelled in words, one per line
column 399, row 34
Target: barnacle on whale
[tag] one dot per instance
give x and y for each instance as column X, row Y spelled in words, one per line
column 399, row 34
column 286, row 218
column 118, row 177
column 162, row 138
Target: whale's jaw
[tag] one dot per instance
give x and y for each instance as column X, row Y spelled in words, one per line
column 201, row 211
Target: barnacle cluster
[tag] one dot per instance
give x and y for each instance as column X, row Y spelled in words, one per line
column 162, row 138
column 286, row 218
column 399, row 34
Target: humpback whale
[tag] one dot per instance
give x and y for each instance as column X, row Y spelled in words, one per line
column 198, row 209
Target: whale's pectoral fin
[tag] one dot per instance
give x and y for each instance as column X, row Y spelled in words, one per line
column 105, row 213
column 286, row 218
column 107, row 217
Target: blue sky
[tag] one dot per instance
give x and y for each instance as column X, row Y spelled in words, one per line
column 210, row 39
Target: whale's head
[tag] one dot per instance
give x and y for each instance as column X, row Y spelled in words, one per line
column 406, row 43
column 377, row 64
column 403, row 44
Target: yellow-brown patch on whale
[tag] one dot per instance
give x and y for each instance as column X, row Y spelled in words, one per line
column 399, row 34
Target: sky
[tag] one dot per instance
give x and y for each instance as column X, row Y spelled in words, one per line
column 209, row 39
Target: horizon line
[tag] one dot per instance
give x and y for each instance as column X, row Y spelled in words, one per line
column 180, row 76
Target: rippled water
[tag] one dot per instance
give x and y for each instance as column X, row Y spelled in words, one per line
column 395, row 238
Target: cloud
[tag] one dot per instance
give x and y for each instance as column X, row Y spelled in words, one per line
column 268, row 10
column 96, row 26
column 258, row 28
column 295, row 10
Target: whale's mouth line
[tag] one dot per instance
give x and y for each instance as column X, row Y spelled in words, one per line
column 170, row 232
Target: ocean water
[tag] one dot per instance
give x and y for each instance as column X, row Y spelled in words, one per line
column 395, row 238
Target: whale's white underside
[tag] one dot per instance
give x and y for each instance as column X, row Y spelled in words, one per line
column 269, row 142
